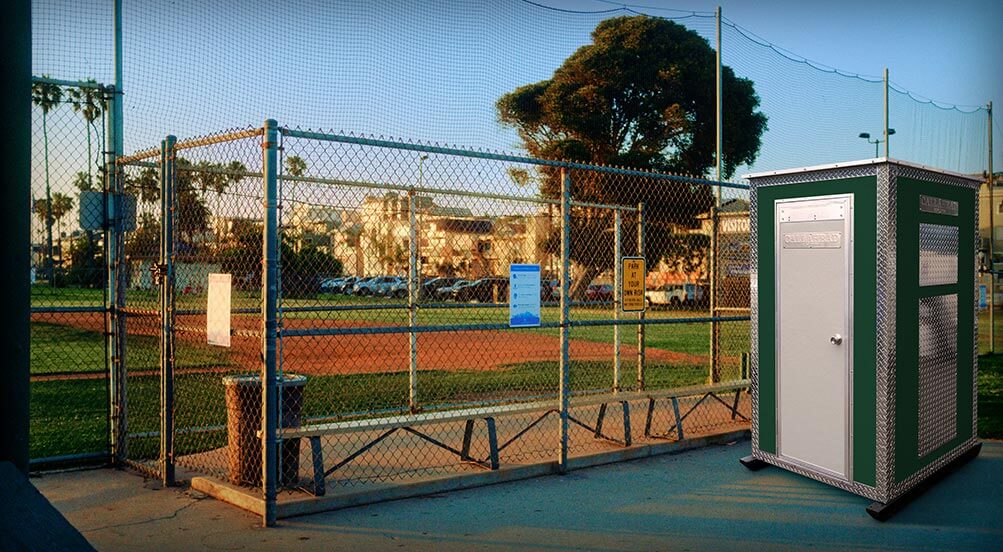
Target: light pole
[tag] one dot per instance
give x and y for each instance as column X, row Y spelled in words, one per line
column 867, row 136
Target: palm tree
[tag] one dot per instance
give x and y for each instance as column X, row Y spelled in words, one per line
column 295, row 165
column 62, row 204
column 47, row 96
column 87, row 102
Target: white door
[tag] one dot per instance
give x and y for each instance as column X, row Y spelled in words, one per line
column 814, row 312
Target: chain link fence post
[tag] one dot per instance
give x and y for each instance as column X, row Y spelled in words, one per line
column 714, row 375
column 114, row 249
column 269, row 315
column 617, row 298
column 565, row 381
column 412, row 303
column 166, row 271
column 640, row 315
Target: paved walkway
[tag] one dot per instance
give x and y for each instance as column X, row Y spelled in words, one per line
column 700, row 500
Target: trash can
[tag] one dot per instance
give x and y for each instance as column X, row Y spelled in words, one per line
column 243, row 421
column 864, row 334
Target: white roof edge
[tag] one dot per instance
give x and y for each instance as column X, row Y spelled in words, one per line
column 860, row 163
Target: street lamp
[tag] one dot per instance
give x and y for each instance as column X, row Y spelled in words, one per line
column 867, row 136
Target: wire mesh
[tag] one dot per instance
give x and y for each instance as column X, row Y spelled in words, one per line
column 69, row 376
column 218, row 229
column 395, row 302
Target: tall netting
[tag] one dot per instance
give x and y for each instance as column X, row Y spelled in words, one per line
column 817, row 114
column 397, row 355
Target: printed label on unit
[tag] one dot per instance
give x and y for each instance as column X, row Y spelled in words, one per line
column 938, row 205
column 813, row 240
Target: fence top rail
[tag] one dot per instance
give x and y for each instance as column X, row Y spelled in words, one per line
column 427, row 148
column 226, row 136
column 417, row 189
column 140, row 155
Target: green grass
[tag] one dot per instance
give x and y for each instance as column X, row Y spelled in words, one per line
column 991, row 397
column 70, row 416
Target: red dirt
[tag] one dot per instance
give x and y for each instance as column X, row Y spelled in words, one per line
column 355, row 354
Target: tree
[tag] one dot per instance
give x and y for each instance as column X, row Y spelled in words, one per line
column 295, row 165
column 640, row 95
column 87, row 102
column 47, row 96
column 146, row 186
column 61, row 204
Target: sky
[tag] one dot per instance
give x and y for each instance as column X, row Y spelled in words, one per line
column 947, row 51
column 431, row 70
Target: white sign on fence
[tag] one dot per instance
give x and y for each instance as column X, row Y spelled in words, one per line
column 524, row 295
column 218, row 310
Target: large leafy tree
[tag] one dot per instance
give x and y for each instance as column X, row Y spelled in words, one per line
column 641, row 95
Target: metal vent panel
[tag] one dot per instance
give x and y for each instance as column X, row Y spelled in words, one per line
column 938, row 254
column 938, row 371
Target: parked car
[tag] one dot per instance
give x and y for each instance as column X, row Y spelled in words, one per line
column 599, row 292
column 676, row 295
column 329, row 285
column 429, row 287
column 486, row 290
column 345, row 285
column 386, row 286
column 446, row 293
column 370, row 285
column 396, row 289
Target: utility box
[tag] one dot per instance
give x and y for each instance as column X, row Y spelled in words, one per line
column 864, row 325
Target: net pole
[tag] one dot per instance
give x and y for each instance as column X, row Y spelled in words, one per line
column 887, row 145
column 992, row 238
column 718, row 169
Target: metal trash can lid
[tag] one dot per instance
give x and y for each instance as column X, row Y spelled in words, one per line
column 288, row 380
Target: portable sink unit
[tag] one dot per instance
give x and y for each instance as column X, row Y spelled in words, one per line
column 864, row 325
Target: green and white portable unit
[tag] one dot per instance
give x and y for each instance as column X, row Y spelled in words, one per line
column 864, row 317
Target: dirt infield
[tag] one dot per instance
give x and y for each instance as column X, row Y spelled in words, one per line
column 359, row 354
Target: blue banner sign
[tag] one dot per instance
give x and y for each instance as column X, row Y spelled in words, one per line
column 524, row 296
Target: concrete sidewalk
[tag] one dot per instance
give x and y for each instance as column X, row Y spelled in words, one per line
column 699, row 500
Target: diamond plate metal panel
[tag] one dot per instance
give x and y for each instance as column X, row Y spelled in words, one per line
column 885, row 338
column 754, row 313
column 815, row 176
column 937, row 177
column 938, row 254
column 938, row 371
column 851, row 486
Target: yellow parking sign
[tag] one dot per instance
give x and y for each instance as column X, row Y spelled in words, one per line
column 632, row 284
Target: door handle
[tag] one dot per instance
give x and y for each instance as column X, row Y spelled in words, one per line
column 836, row 339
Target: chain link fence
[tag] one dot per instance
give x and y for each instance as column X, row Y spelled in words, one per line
column 69, row 378
column 374, row 278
